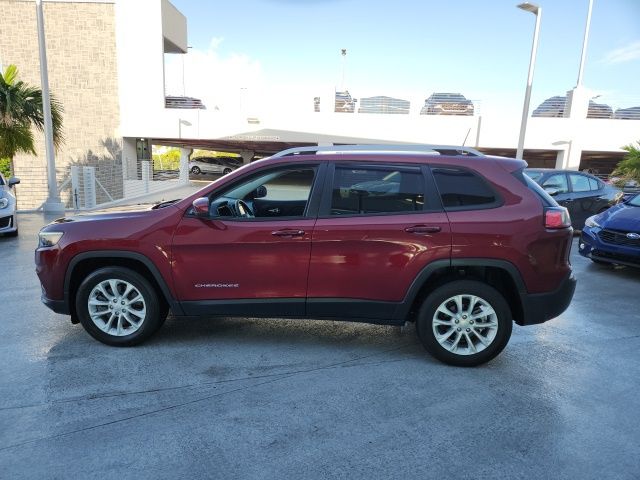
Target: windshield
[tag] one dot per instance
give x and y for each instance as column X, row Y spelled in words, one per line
column 635, row 201
column 535, row 176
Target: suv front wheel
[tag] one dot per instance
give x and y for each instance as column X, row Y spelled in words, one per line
column 118, row 306
column 464, row 323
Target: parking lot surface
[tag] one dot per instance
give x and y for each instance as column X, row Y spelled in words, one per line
column 234, row 398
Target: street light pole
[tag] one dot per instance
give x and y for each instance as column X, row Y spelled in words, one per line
column 53, row 203
column 584, row 44
column 537, row 11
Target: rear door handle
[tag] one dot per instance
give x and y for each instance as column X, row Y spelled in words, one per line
column 422, row 229
column 288, row 233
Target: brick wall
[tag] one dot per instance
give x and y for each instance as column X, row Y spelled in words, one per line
column 81, row 51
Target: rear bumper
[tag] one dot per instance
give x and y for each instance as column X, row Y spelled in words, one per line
column 540, row 307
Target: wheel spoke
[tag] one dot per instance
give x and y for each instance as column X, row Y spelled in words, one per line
column 137, row 298
column 480, row 337
column 107, row 325
column 458, row 300
column 472, row 302
column 97, row 302
column 483, row 313
column 445, row 311
column 437, row 321
column 454, row 346
column 445, row 336
column 470, row 344
column 101, row 289
column 138, row 313
column 132, row 322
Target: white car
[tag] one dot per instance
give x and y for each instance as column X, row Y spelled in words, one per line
column 8, row 218
column 222, row 165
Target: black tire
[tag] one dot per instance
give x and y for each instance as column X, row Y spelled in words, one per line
column 226, row 171
column 154, row 314
column 487, row 293
column 195, row 170
column 12, row 234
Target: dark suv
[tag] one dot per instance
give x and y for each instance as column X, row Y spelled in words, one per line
column 460, row 243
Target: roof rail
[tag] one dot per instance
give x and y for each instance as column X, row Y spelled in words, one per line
column 453, row 150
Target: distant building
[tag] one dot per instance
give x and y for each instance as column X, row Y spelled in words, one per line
column 382, row 104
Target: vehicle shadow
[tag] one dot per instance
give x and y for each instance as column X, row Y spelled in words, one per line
column 292, row 332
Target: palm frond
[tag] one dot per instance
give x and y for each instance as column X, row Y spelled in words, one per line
column 16, row 139
column 21, row 108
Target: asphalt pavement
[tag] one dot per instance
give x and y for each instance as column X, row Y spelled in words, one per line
column 234, row 398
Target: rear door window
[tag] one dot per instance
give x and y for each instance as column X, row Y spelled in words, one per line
column 373, row 190
column 462, row 189
column 579, row 183
column 558, row 181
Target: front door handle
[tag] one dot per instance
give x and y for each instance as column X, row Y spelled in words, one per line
column 288, row 233
column 422, row 229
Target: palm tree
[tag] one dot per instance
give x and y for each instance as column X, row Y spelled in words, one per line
column 629, row 167
column 20, row 111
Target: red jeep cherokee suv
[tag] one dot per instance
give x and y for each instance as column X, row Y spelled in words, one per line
column 460, row 243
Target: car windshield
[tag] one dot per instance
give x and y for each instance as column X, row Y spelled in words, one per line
column 635, row 201
column 535, row 176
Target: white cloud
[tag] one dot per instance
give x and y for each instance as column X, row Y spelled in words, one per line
column 222, row 81
column 628, row 53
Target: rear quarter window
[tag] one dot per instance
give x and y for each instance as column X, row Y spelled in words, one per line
column 463, row 189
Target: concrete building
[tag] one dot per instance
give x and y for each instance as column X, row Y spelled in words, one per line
column 107, row 67
column 100, row 69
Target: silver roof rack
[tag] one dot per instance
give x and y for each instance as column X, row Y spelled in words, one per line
column 453, row 150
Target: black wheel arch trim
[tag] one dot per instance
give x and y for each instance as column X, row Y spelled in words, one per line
column 403, row 309
column 124, row 254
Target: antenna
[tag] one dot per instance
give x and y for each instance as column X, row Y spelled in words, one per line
column 466, row 136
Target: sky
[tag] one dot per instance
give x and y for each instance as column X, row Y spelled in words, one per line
column 406, row 48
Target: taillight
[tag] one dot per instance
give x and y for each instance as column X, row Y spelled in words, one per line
column 556, row 217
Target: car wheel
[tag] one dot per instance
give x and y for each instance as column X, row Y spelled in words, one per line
column 13, row 234
column 118, row 306
column 226, row 171
column 195, row 170
column 464, row 323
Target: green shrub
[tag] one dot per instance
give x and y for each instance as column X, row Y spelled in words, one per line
column 5, row 167
column 629, row 166
column 169, row 160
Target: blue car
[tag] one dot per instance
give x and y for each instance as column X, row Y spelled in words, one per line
column 614, row 235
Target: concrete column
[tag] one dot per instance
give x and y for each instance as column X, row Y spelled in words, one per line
column 247, row 155
column 89, row 185
column 129, row 159
column 184, row 165
column 575, row 111
column 146, row 175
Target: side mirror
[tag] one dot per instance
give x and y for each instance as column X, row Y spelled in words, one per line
column 260, row 192
column 552, row 191
column 201, row 207
column 13, row 181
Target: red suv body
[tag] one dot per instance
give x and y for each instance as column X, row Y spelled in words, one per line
column 462, row 244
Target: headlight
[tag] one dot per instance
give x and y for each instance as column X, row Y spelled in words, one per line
column 4, row 202
column 49, row 239
column 591, row 222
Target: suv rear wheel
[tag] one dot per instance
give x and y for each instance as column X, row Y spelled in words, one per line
column 464, row 323
column 118, row 306
column 195, row 170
